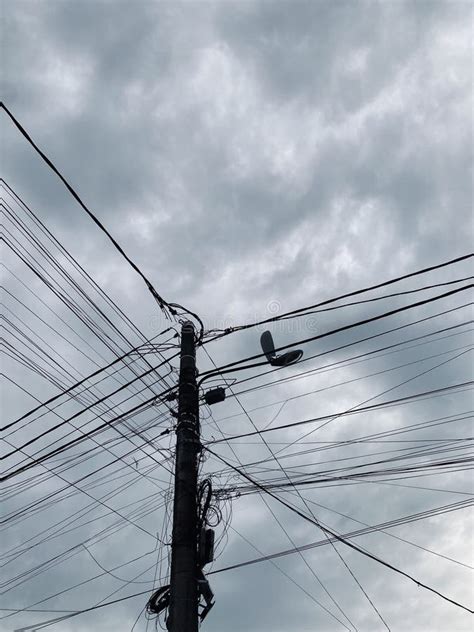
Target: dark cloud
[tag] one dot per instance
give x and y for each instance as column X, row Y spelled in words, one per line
column 253, row 158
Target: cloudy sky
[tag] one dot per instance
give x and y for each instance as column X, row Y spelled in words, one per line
column 253, row 158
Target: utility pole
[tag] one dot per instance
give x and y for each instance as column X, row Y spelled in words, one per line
column 192, row 544
column 184, row 596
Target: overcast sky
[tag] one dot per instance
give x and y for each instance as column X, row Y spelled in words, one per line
column 252, row 158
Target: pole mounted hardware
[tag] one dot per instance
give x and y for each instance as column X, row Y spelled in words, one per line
column 268, row 348
column 206, row 593
column 215, row 395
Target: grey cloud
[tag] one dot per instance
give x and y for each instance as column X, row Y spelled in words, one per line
column 246, row 153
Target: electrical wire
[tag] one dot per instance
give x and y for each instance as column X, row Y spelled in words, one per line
column 167, row 308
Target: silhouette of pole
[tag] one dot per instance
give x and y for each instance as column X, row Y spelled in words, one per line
column 183, row 607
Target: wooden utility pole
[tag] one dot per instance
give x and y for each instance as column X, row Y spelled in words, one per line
column 184, row 597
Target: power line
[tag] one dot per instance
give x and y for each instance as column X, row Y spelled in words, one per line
column 335, row 535
column 76, row 385
column 358, row 533
column 367, row 354
column 225, row 332
column 226, row 367
column 57, row 265
column 167, row 308
column 265, row 558
column 89, row 406
column 281, row 525
column 388, row 403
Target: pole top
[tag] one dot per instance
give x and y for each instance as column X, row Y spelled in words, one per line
column 187, row 324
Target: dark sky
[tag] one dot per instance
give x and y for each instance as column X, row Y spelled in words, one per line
column 252, row 158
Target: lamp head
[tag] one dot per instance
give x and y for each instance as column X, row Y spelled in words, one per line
column 268, row 348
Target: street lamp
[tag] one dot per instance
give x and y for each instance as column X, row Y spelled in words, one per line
column 217, row 394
